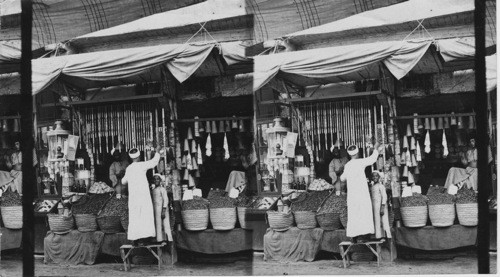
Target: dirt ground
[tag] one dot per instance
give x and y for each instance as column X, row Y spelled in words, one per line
column 257, row 266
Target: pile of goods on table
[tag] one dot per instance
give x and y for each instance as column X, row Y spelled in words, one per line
column 414, row 210
column 11, row 209
column 332, row 214
column 467, row 210
column 441, row 208
column 319, row 185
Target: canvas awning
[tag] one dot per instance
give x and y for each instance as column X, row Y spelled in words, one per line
column 182, row 60
column 339, row 64
column 9, row 52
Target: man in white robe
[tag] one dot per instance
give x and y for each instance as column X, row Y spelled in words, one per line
column 359, row 204
column 140, row 205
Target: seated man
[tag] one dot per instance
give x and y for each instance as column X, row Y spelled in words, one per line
column 465, row 176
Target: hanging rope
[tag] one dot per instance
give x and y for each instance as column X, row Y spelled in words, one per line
column 205, row 33
column 421, row 30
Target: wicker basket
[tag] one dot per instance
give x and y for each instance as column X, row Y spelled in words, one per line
column 223, row 218
column 279, row 221
column 467, row 214
column 195, row 220
column 242, row 211
column 109, row 224
column 442, row 215
column 86, row 222
column 329, row 221
column 414, row 216
column 60, row 223
column 124, row 222
column 305, row 219
column 12, row 217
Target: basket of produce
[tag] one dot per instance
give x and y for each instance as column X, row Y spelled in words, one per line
column 441, row 209
column 60, row 223
column 328, row 215
column 279, row 221
column 195, row 214
column 320, row 185
column 244, row 205
column 11, row 210
column 305, row 219
column 467, row 207
column 86, row 222
column 90, row 203
column 414, row 210
column 222, row 213
column 216, row 193
column 109, row 224
column 117, row 207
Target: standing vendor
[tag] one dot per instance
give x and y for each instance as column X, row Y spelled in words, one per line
column 359, row 207
column 140, row 206
column 117, row 171
column 161, row 209
column 379, row 204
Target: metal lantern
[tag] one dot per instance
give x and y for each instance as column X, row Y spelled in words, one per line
column 276, row 137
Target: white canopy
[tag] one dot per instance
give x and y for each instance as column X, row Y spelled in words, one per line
column 9, row 52
column 181, row 59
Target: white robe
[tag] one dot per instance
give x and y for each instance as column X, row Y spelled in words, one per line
column 141, row 221
column 359, row 204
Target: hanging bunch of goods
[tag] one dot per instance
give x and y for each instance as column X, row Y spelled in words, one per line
column 331, row 212
column 467, row 209
column 441, row 209
column 11, row 209
column 320, row 185
column 223, row 213
column 414, row 210
column 195, row 214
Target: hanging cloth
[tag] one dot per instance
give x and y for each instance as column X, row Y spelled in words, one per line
column 199, row 155
column 427, row 142
column 208, row 146
column 189, row 161
column 226, row 148
column 419, row 154
column 445, row 145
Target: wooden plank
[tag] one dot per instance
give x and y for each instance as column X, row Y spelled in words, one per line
column 100, row 101
column 321, row 98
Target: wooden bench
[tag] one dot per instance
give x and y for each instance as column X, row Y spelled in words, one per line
column 344, row 252
column 126, row 249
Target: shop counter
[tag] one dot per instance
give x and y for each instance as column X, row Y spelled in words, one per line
column 436, row 238
column 11, row 238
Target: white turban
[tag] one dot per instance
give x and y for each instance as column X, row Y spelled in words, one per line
column 354, row 151
column 134, row 155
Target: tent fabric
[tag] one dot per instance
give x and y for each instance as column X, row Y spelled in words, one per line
column 399, row 57
column 9, row 52
column 181, row 59
column 234, row 52
column 456, row 48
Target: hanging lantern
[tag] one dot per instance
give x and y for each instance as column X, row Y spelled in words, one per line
column 415, row 123
column 453, row 119
column 408, row 130
column 405, row 171
column 242, row 126
column 427, row 142
column 276, row 137
column 234, row 123
column 440, row 125
column 214, row 127
column 193, row 146
column 446, row 123
column 460, row 123
column 196, row 127
column 412, row 144
column 472, row 124
column 189, row 134
column 427, row 123
column 433, row 124
column 208, row 127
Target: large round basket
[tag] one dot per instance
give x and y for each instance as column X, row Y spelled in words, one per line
column 467, row 214
column 223, row 218
column 442, row 215
column 195, row 220
column 414, row 216
column 124, row 222
column 12, row 217
column 60, row 223
column 86, row 222
column 109, row 224
column 329, row 221
column 279, row 221
column 305, row 219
